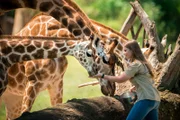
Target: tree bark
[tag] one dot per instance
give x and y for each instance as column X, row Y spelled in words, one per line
column 99, row 108
column 150, row 28
column 169, row 77
column 103, row 108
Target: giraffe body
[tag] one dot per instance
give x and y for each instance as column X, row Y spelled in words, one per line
column 71, row 16
column 19, row 80
column 51, row 27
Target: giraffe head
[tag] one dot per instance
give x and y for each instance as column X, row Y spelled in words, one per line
column 104, row 62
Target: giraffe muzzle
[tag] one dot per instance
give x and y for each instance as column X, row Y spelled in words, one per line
column 108, row 89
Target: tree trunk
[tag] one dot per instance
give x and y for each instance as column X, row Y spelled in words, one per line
column 103, row 108
column 22, row 16
column 170, row 73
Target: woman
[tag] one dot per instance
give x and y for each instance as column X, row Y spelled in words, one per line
column 140, row 74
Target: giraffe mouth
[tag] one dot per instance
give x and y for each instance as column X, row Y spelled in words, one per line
column 107, row 88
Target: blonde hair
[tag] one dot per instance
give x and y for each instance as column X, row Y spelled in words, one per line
column 138, row 55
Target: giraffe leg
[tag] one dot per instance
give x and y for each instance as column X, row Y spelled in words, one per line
column 56, row 92
column 3, row 81
column 29, row 96
column 12, row 104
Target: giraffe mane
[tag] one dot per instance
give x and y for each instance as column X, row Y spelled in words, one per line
column 83, row 15
column 37, row 37
column 110, row 29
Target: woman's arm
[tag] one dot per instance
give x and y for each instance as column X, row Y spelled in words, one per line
column 122, row 78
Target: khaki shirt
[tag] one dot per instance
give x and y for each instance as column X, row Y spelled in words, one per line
column 143, row 81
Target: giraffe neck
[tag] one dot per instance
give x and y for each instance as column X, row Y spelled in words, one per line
column 65, row 11
column 15, row 49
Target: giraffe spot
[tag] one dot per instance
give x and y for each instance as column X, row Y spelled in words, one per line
column 80, row 21
column 30, row 4
column 7, row 50
column 72, row 25
column 31, row 48
column 11, row 81
column 48, row 45
column 26, row 57
column 22, row 69
column 26, row 42
column 64, row 33
column 51, row 66
column 5, row 62
column 53, row 27
column 38, row 86
column 59, row 3
column 32, row 77
column 80, row 55
column 104, row 31
column 31, row 92
column 52, row 53
column 37, row 44
column 57, row 13
column 45, row 6
column 13, row 43
column 69, row 11
column 39, row 54
column 41, row 74
column 25, row 32
column 64, row 22
column 20, row 78
column 59, row 45
column 77, row 32
column 65, row 53
column 62, row 64
column 29, row 68
column 1, row 84
column 60, row 86
column 2, row 75
column 19, row 49
column 87, row 32
column 59, row 101
column 21, row 87
column 13, row 70
column 35, row 30
column 63, row 49
column 70, row 43
column 14, row 58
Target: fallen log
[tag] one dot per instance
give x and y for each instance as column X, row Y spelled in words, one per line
column 102, row 108
column 98, row 108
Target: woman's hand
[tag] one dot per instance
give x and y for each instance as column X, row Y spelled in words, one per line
column 132, row 89
column 99, row 75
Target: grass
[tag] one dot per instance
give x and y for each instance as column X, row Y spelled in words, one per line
column 74, row 76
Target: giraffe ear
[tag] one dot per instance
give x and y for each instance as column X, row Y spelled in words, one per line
column 112, row 46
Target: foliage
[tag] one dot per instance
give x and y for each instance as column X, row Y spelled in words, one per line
column 113, row 13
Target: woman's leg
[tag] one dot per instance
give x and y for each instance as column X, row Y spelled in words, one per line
column 140, row 109
column 153, row 115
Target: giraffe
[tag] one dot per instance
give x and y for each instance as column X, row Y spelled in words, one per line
column 46, row 25
column 41, row 25
column 71, row 16
column 17, row 87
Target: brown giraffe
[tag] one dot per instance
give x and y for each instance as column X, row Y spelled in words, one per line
column 43, row 25
column 69, row 14
column 40, row 25
column 17, row 74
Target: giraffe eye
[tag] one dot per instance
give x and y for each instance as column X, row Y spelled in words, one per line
column 105, row 59
column 89, row 53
